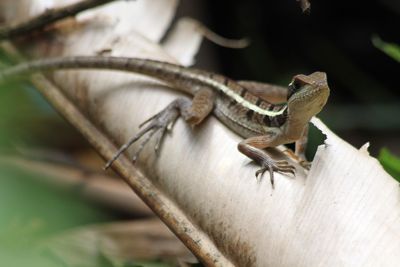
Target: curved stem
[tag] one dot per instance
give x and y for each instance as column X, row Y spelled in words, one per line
column 47, row 17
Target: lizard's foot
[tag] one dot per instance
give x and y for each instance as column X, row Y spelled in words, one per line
column 159, row 123
column 264, row 159
column 271, row 165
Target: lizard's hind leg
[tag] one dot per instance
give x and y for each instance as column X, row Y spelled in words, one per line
column 193, row 111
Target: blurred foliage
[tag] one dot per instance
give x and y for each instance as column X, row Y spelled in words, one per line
column 391, row 49
column 27, row 119
column 390, row 163
column 31, row 212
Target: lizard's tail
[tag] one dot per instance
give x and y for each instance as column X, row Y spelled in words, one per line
column 167, row 72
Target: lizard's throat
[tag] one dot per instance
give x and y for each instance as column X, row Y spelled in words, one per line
column 295, row 123
column 299, row 114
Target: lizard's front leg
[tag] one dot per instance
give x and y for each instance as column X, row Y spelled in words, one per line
column 253, row 148
column 193, row 111
column 300, row 149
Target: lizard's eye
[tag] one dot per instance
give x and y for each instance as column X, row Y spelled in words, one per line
column 298, row 82
column 294, row 86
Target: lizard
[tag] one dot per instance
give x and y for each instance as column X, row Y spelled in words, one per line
column 264, row 115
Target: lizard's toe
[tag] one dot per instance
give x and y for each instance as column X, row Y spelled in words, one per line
column 159, row 123
column 305, row 164
column 281, row 166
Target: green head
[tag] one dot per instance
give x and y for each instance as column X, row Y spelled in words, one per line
column 307, row 95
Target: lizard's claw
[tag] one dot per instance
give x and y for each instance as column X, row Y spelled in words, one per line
column 271, row 165
column 159, row 123
column 305, row 164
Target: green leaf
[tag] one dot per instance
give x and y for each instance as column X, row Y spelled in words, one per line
column 390, row 163
column 390, row 49
column 31, row 212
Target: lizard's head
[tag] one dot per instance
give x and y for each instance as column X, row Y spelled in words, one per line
column 307, row 94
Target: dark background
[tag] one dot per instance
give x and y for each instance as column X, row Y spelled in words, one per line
column 335, row 38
